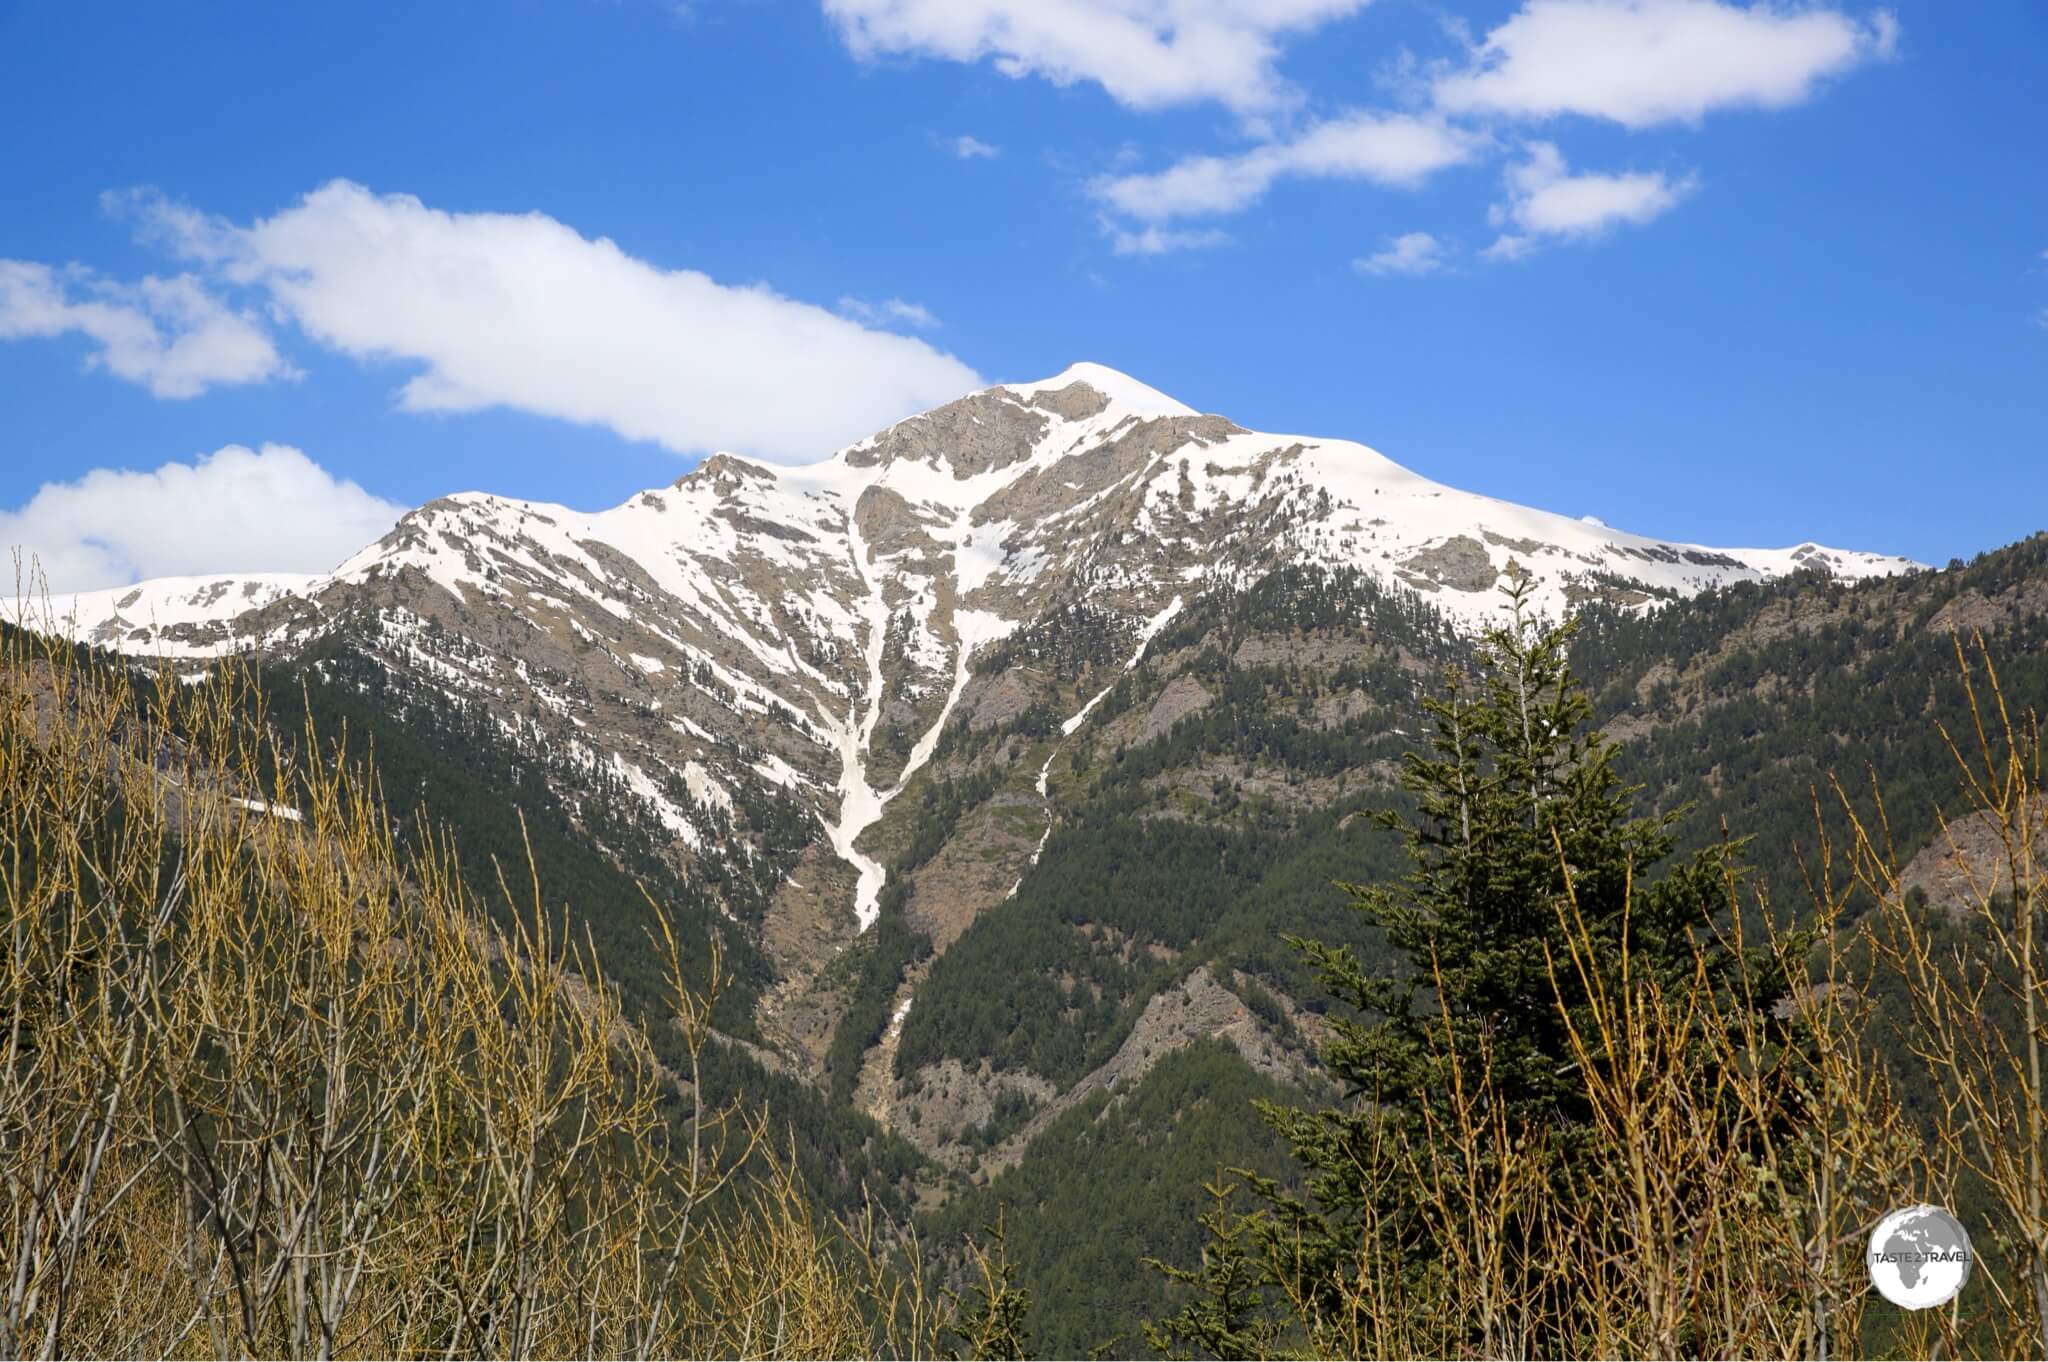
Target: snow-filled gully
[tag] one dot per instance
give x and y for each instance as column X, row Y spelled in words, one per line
column 860, row 804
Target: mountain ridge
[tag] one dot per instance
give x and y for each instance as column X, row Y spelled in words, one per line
column 773, row 588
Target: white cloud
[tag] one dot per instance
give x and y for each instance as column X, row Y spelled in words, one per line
column 522, row 311
column 1642, row 62
column 169, row 335
column 1546, row 200
column 1161, row 241
column 969, row 148
column 234, row 510
column 1397, row 150
column 1147, row 54
column 893, row 312
column 1408, row 253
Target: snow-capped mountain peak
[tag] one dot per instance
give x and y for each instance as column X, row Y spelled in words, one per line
column 812, row 629
column 1122, row 391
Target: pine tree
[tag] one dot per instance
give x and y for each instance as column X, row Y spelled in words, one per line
column 1228, row 1313
column 1520, row 824
column 990, row 1324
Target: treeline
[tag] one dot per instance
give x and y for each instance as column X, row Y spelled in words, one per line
column 1308, row 599
column 1264, row 716
column 1064, row 645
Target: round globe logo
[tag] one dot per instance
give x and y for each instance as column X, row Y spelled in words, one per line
column 1919, row 1257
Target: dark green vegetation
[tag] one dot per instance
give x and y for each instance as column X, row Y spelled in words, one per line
column 1212, row 841
column 879, row 960
column 1102, row 893
column 1115, row 1180
column 1145, row 877
column 1533, row 891
column 1743, row 703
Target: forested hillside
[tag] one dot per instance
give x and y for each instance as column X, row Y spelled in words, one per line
column 1080, row 978
column 1222, row 788
column 1743, row 703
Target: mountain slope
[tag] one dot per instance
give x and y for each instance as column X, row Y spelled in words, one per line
column 1212, row 800
column 760, row 664
column 1002, row 748
column 812, row 629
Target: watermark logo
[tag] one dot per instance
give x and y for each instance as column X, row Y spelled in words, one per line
column 1919, row 1257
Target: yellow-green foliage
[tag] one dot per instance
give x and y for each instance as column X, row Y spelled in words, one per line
column 270, row 1086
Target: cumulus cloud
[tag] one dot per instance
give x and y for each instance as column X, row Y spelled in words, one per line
column 234, row 510
column 522, row 311
column 1412, row 253
column 170, row 336
column 1396, row 150
column 1546, row 200
column 969, row 148
column 1147, row 54
column 893, row 312
column 1643, row 62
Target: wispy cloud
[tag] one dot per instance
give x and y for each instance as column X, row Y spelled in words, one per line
column 170, row 336
column 970, row 148
column 1545, row 200
column 1396, row 150
column 1146, row 54
column 1411, row 253
column 1161, row 241
column 892, row 312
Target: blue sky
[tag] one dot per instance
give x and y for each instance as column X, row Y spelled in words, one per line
column 1719, row 270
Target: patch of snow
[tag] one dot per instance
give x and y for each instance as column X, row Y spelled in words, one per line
column 134, row 618
column 776, row 771
column 704, row 788
column 1073, row 723
column 286, row 812
column 643, row 786
column 971, row 628
column 895, row 1027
